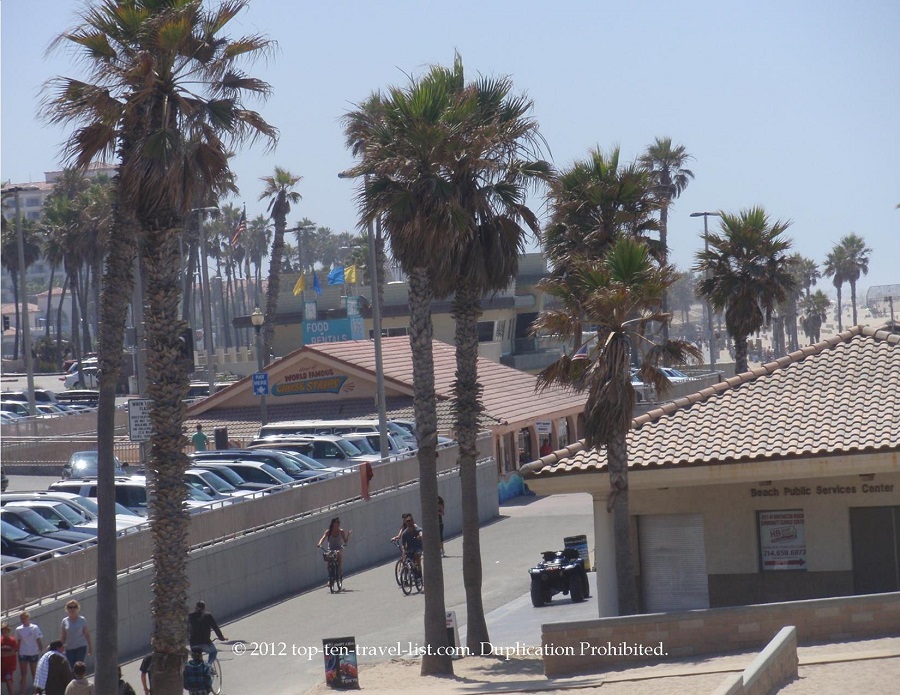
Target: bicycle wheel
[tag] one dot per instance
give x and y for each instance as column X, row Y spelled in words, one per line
column 332, row 577
column 406, row 580
column 338, row 581
column 398, row 570
column 417, row 580
column 217, row 679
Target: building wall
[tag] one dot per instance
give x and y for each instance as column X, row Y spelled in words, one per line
column 731, row 532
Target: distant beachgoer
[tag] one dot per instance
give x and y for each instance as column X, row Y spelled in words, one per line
column 199, row 439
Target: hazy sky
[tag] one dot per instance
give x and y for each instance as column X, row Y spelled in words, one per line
column 794, row 106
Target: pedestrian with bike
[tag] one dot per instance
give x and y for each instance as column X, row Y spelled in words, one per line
column 197, row 678
column 200, row 628
column 336, row 538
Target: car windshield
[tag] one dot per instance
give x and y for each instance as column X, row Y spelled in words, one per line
column 35, row 522
column 11, row 533
column 276, row 473
column 348, row 447
column 214, row 481
column 229, row 475
column 197, row 494
column 362, row 443
column 69, row 514
column 284, row 462
column 305, row 461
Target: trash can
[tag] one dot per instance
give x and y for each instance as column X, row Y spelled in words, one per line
column 579, row 543
column 220, row 437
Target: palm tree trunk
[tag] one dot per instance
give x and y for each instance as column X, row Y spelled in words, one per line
column 49, row 302
column 14, row 276
column 167, row 387
column 740, row 354
column 617, row 453
column 467, row 392
column 421, row 334
column 86, row 345
column 187, row 306
column 853, row 301
column 274, row 285
column 118, row 283
column 840, row 312
column 59, row 310
column 663, row 242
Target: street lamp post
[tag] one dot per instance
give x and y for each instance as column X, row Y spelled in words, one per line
column 257, row 318
column 26, row 328
column 376, row 330
column 709, row 316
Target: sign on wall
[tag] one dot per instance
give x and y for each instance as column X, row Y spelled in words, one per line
column 782, row 540
column 333, row 330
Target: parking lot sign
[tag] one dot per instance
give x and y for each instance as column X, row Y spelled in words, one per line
column 260, row 384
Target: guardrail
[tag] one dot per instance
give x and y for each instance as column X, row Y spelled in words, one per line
column 49, row 579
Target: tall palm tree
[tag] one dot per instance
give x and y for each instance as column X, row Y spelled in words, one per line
column 280, row 194
column 165, row 94
column 747, row 273
column 10, row 258
column 809, row 273
column 621, row 293
column 836, row 268
column 257, row 240
column 666, row 164
column 856, row 257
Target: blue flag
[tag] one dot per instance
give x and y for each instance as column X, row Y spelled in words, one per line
column 316, row 286
column 336, row 276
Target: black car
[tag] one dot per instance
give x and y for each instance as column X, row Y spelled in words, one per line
column 83, row 464
column 29, row 521
column 559, row 572
column 17, row 543
column 287, row 462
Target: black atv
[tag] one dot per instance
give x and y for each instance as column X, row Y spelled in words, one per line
column 560, row 572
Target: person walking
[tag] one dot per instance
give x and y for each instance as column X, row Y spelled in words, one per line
column 75, row 634
column 197, row 679
column 81, row 685
column 31, row 644
column 199, row 439
column 53, row 671
column 200, row 628
column 9, row 648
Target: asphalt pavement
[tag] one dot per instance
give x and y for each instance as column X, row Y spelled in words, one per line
column 277, row 648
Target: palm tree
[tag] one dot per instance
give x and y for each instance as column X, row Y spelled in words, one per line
column 166, row 95
column 837, row 269
column 405, row 145
column 666, row 164
column 621, row 293
column 815, row 311
column 280, row 194
column 10, row 259
column 257, row 239
column 809, row 273
column 856, row 257
column 747, row 272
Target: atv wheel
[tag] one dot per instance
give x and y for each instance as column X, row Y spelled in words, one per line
column 587, row 585
column 576, row 588
column 537, row 595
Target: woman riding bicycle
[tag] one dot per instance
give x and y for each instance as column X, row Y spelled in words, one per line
column 337, row 538
column 410, row 537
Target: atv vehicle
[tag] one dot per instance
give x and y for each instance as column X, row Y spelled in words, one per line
column 560, row 572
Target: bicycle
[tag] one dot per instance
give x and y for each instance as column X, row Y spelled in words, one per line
column 335, row 578
column 407, row 573
column 215, row 670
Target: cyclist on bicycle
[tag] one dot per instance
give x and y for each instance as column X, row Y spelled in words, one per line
column 410, row 537
column 337, row 538
column 197, row 678
column 200, row 627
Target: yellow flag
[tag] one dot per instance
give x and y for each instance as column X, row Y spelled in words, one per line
column 298, row 288
column 350, row 274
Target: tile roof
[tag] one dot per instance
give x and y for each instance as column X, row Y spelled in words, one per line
column 508, row 394
column 837, row 397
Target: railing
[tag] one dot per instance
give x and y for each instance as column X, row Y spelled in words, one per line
column 223, row 521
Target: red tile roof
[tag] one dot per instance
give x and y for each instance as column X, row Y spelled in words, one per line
column 836, row 397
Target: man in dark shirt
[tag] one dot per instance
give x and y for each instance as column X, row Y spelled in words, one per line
column 200, row 627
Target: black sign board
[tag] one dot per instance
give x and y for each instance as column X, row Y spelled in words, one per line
column 341, row 669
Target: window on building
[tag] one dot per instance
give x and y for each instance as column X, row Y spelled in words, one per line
column 485, row 331
column 32, row 202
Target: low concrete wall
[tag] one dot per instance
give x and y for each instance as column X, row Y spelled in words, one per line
column 590, row 645
column 253, row 571
column 776, row 665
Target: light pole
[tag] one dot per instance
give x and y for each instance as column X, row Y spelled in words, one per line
column 376, row 330
column 205, row 298
column 299, row 229
column 257, row 318
column 26, row 328
column 709, row 317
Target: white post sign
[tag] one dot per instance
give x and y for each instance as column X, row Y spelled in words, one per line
column 140, row 426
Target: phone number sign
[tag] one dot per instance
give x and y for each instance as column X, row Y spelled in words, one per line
column 782, row 540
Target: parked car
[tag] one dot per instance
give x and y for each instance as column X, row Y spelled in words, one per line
column 83, row 464
column 85, row 506
column 131, row 492
column 40, row 396
column 7, row 417
column 674, row 375
column 61, row 515
column 88, row 398
column 16, row 408
column 29, row 521
column 8, row 563
column 213, row 484
column 370, row 443
column 296, row 466
column 250, row 471
column 18, row 543
column 4, row 482
column 232, row 478
column 86, row 379
column 329, row 449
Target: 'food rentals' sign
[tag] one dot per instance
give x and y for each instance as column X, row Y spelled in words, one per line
column 312, row 381
column 782, row 540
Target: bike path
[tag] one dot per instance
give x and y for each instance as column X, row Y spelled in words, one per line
column 279, row 646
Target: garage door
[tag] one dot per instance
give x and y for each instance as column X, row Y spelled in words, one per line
column 673, row 562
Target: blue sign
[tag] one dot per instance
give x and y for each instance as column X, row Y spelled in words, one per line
column 260, row 384
column 334, row 330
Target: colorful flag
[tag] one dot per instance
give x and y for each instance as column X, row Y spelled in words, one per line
column 336, row 276
column 240, row 229
column 582, row 353
column 298, row 288
column 316, row 286
column 350, row 274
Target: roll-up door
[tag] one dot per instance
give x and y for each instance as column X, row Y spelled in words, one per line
column 673, row 562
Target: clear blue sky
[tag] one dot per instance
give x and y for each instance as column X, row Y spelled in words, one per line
column 791, row 105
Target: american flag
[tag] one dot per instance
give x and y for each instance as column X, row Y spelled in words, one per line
column 240, row 229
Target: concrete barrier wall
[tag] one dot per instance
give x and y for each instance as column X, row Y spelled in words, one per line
column 253, row 571
column 576, row 647
column 776, row 664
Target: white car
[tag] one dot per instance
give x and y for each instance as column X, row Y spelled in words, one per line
column 125, row 519
column 87, row 379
